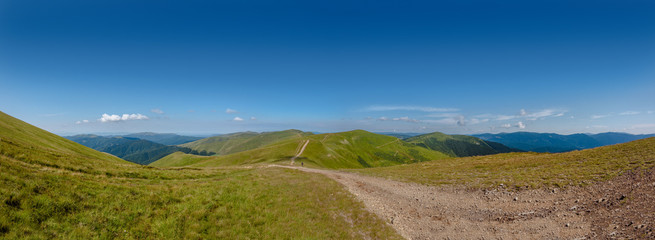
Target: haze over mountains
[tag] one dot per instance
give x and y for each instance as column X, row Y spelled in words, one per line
column 551, row 142
column 47, row 180
column 146, row 148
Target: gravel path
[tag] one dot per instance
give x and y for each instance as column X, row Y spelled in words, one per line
column 293, row 159
column 423, row 212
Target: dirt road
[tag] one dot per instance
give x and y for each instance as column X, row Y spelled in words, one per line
column 302, row 149
column 424, row 212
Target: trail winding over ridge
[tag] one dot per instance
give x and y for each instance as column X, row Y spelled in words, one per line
column 293, row 159
column 424, row 212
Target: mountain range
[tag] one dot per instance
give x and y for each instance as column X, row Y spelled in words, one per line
column 134, row 149
column 52, row 187
column 458, row 145
column 163, row 138
column 352, row 149
column 552, row 142
column 242, row 141
column 248, row 147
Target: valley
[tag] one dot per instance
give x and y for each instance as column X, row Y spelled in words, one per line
column 355, row 185
column 417, row 120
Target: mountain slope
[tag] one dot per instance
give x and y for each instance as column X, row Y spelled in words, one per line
column 24, row 142
column 238, row 142
column 54, row 188
column 163, row 138
column 529, row 169
column 542, row 142
column 610, row 138
column 458, row 145
column 353, row 149
column 551, row 142
column 132, row 149
column 179, row 159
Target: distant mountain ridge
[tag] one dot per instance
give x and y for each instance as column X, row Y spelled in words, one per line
column 131, row 149
column 164, row 138
column 351, row 149
column 459, row 145
column 243, row 141
column 552, row 142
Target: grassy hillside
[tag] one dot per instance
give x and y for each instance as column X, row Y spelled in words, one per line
column 131, row 149
column 457, row 145
column 239, row 142
column 528, row 169
column 179, row 159
column 24, row 142
column 53, row 188
column 353, row 149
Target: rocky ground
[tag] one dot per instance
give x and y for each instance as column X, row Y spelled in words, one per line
column 621, row 208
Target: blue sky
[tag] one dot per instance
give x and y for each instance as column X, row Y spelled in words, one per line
column 206, row 67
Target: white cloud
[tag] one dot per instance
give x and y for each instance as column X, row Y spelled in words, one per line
column 238, row 119
column 506, row 125
column 476, row 120
column 545, row 113
column 383, row 119
column 461, row 121
column 504, row 117
column 520, row 125
column 448, row 121
column 523, row 112
column 527, row 115
column 629, row 113
column 599, row 116
column 647, row 125
column 157, row 111
column 596, row 126
column 116, row 118
column 81, row 122
column 253, row 118
column 409, row 108
column 443, row 115
column 231, row 111
column 406, row 119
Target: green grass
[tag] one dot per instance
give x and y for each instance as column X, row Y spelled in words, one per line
column 239, row 142
column 456, row 145
column 52, row 188
column 353, row 149
column 178, row 159
column 527, row 170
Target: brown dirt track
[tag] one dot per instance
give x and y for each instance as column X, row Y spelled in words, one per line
column 621, row 208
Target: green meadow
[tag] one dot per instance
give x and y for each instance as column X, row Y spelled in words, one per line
column 52, row 188
column 527, row 170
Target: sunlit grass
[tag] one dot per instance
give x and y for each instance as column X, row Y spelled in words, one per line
column 531, row 170
column 353, row 149
column 52, row 188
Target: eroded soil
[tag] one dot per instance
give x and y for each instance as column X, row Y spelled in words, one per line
column 621, row 208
